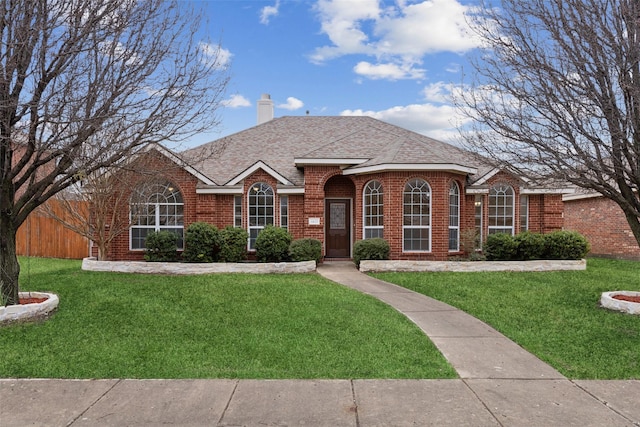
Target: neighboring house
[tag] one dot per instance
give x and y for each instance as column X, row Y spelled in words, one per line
column 340, row 180
column 602, row 222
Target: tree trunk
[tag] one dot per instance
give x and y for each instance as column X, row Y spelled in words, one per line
column 102, row 250
column 9, row 266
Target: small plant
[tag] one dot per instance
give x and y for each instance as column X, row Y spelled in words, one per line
column 530, row 246
column 565, row 245
column 305, row 250
column 272, row 244
column 234, row 244
column 202, row 243
column 471, row 245
column 161, row 246
column 500, row 247
column 376, row 248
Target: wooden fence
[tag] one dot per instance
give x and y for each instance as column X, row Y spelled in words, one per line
column 42, row 236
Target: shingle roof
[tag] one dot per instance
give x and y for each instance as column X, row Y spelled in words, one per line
column 279, row 142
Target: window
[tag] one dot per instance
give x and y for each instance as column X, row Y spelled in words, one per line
column 524, row 213
column 373, row 210
column 260, row 210
column 156, row 207
column 501, row 209
column 478, row 221
column 237, row 211
column 454, row 217
column 416, row 228
column 284, row 212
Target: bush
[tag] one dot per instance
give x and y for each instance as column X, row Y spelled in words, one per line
column 565, row 245
column 234, row 244
column 202, row 243
column 272, row 244
column 161, row 246
column 376, row 248
column 500, row 247
column 530, row 246
column 305, row 250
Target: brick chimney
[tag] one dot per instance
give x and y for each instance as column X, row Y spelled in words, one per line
column 265, row 109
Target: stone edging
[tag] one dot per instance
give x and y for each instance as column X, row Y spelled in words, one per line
column 472, row 266
column 607, row 301
column 20, row 312
column 91, row 264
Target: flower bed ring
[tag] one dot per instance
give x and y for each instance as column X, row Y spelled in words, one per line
column 28, row 312
column 624, row 301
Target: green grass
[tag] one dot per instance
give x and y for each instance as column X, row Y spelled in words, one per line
column 112, row 325
column 554, row 315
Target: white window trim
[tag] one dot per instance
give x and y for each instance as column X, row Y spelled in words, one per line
column 284, row 198
column 524, row 214
column 418, row 227
column 454, row 227
column 380, row 193
column 157, row 226
column 237, row 217
column 492, row 229
column 258, row 227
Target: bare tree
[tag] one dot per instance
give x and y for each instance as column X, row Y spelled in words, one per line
column 84, row 84
column 93, row 207
column 556, row 94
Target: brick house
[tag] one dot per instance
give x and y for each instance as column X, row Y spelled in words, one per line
column 602, row 222
column 340, row 180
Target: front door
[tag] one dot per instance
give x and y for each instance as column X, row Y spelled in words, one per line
column 337, row 228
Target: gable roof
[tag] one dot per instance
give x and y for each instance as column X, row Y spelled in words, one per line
column 356, row 143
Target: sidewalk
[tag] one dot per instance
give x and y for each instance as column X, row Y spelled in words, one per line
column 500, row 385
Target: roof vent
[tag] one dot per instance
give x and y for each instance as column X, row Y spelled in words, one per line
column 265, row 109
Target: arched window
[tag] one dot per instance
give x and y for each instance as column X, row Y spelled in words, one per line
column 156, row 207
column 454, row 217
column 416, row 227
column 501, row 209
column 373, row 210
column 260, row 210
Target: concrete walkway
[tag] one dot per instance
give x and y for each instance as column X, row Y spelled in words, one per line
column 500, row 385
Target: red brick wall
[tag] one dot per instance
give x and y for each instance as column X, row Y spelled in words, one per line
column 603, row 223
column 321, row 182
column 163, row 169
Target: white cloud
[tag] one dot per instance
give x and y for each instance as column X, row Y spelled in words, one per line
column 292, row 104
column 388, row 71
column 401, row 34
column 436, row 121
column 216, row 55
column 267, row 12
column 236, row 101
column 439, row 92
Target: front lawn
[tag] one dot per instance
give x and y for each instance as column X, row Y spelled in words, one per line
column 554, row 315
column 112, row 325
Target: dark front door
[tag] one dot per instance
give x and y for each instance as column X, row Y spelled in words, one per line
column 338, row 228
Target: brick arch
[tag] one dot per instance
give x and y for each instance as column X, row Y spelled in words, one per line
column 339, row 186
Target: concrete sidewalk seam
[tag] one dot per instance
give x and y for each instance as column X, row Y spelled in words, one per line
column 482, row 402
column 226, row 407
column 95, row 402
column 355, row 402
column 605, row 403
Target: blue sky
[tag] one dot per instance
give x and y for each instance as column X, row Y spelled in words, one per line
column 397, row 61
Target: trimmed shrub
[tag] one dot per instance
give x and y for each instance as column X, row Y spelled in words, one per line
column 565, row 245
column 202, row 243
column 500, row 247
column 376, row 248
column 234, row 244
column 305, row 250
column 161, row 246
column 530, row 245
column 272, row 244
